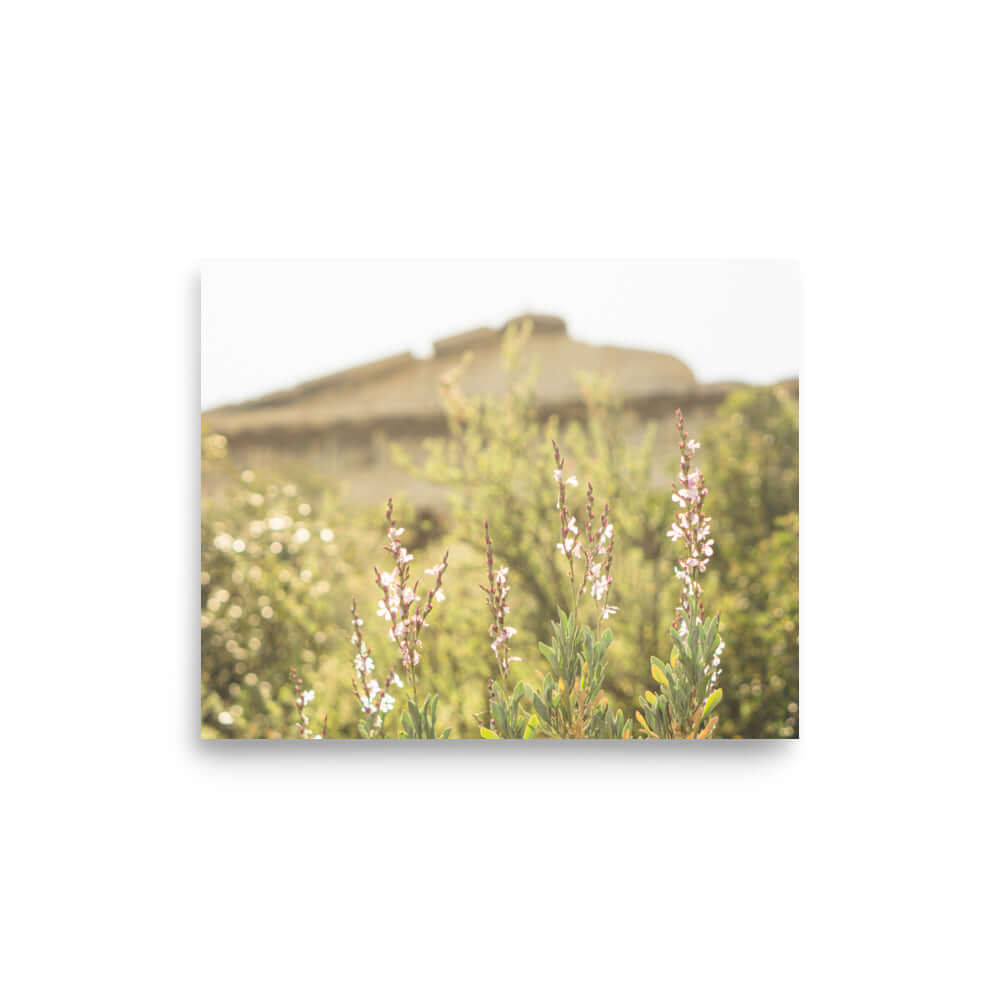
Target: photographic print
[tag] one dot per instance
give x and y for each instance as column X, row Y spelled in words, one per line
column 500, row 500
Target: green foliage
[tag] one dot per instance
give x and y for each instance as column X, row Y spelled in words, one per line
column 759, row 598
column 506, row 718
column 269, row 570
column 577, row 659
column 751, row 460
column 683, row 708
column 420, row 723
column 750, row 455
column 275, row 584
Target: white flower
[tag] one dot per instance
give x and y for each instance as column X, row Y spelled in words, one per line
column 609, row 611
column 570, row 547
column 572, row 481
column 308, row 696
column 397, row 680
column 387, row 703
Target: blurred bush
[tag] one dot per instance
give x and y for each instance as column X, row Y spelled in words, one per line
column 275, row 577
column 751, row 464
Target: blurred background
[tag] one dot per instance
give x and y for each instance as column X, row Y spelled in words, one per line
column 328, row 387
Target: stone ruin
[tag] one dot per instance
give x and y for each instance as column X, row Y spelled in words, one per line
column 340, row 427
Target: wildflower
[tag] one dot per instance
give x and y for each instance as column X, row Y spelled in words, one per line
column 691, row 527
column 302, row 698
column 401, row 605
column 595, row 549
column 497, row 595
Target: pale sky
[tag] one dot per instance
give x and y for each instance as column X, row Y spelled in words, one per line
column 269, row 325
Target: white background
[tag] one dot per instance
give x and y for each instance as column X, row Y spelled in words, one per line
column 857, row 138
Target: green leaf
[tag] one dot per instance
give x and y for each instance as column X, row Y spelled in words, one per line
column 540, row 707
column 487, row 734
column 656, row 667
column 532, row 725
column 713, row 699
column 407, row 723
